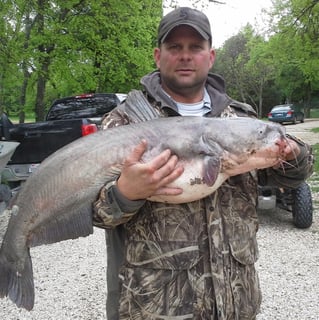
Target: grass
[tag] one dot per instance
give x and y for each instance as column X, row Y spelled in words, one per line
column 316, row 153
column 314, row 179
column 314, row 113
column 29, row 117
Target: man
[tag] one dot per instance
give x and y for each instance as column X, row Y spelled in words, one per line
column 193, row 260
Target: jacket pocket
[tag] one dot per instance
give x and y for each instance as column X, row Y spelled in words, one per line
column 244, row 251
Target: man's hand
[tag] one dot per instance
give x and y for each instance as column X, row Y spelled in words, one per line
column 292, row 150
column 289, row 151
column 141, row 180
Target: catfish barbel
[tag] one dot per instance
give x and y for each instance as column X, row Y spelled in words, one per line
column 55, row 203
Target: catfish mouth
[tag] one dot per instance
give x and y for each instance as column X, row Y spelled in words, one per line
column 262, row 158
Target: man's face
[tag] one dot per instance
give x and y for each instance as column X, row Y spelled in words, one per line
column 184, row 60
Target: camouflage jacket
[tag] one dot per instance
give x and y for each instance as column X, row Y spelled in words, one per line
column 186, row 261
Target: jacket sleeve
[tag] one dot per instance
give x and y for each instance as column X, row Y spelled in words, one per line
column 292, row 173
column 112, row 208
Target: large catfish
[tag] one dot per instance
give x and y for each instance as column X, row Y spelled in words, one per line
column 55, row 203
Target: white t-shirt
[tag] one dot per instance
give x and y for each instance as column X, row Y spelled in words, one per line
column 198, row 109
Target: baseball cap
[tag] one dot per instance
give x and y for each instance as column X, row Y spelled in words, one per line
column 184, row 15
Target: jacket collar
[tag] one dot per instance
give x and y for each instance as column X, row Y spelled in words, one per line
column 215, row 87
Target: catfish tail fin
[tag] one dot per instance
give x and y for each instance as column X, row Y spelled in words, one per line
column 17, row 284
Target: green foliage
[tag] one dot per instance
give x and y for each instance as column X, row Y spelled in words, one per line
column 247, row 66
column 315, row 149
column 230, row 63
column 59, row 48
column 51, row 49
column 314, row 113
column 281, row 66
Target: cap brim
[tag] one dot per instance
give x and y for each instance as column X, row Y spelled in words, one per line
column 203, row 34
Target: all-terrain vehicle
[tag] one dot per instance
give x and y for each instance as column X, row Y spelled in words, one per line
column 297, row 201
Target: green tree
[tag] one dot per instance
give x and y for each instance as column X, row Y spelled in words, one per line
column 244, row 64
column 280, row 67
column 295, row 48
column 230, row 61
column 261, row 73
column 10, row 39
column 69, row 47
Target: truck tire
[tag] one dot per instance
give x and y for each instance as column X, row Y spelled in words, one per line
column 302, row 209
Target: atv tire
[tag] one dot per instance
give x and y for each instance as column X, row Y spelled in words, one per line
column 302, row 209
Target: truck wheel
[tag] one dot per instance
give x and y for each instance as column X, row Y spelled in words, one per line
column 302, row 207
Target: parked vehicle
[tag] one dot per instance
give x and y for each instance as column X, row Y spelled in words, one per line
column 6, row 151
column 285, row 113
column 298, row 201
column 67, row 120
column 86, row 106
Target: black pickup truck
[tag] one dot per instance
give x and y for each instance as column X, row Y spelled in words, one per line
column 67, row 120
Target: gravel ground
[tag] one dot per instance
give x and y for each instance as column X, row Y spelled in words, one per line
column 302, row 130
column 289, row 258
column 69, row 281
column 70, row 275
column 288, row 267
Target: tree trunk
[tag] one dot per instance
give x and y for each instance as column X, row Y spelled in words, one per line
column 44, row 63
column 260, row 105
column 307, row 107
column 39, row 102
column 26, row 73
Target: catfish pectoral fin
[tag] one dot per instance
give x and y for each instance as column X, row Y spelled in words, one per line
column 74, row 224
column 211, row 170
